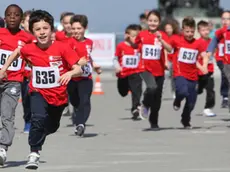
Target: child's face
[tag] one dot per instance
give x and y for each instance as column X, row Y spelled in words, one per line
column 131, row 36
column 42, row 31
column 78, row 31
column 204, row 31
column 188, row 32
column 13, row 17
column 225, row 19
column 153, row 22
column 66, row 24
column 169, row 29
column 25, row 23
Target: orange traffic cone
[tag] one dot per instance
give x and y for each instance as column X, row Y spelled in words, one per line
column 97, row 87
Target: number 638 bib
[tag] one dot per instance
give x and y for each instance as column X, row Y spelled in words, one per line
column 130, row 61
column 45, row 77
column 15, row 65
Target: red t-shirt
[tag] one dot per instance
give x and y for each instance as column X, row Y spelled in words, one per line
column 152, row 52
column 47, row 66
column 84, row 49
column 172, row 54
column 204, row 45
column 8, row 43
column 129, row 60
column 187, row 53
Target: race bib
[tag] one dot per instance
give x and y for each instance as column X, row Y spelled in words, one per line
column 130, row 61
column 45, row 77
column 187, row 55
column 15, row 66
column 227, row 46
column 87, row 70
column 221, row 50
column 151, row 52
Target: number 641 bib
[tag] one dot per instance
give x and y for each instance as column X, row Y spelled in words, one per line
column 45, row 77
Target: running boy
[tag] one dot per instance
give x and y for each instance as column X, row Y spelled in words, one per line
column 206, row 81
column 184, row 69
column 128, row 68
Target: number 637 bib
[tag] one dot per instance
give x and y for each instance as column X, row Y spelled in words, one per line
column 45, row 77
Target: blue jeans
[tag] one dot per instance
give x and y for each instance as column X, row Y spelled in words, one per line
column 26, row 100
column 186, row 89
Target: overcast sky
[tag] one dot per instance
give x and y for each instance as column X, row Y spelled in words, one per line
column 104, row 15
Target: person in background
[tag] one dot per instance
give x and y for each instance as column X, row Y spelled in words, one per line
column 219, row 55
column 171, row 28
column 211, row 28
column 27, row 73
column 2, row 22
column 143, row 21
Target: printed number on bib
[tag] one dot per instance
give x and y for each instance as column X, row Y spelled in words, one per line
column 45, row 77
column 221, row 50
column 187, row 55
column 130, row 61
column 227, row 46
column 151, row 52
column 87, row 70
column 15, row 66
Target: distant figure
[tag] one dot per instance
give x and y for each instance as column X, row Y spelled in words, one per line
column 143, row 21
column 2, row 22
column 212, row 29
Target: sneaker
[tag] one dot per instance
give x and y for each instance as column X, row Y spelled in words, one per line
column 135, row 114
column 144, row 112
column 186, row 125
column 33, row 161
column 80, row 130
column 176, row 105
column 208, row 113
column 224, row 103
column 2, row 156
column 27, row 127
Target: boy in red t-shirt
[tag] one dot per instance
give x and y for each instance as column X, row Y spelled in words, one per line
column 184, row 69
column 128, row 67
column 53, row 65
column 206, row 81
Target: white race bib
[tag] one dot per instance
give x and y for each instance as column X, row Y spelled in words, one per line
column 15, row 66
column 221, row 50
column 45, row 77
column 151, row 52
column 87, row 70
column 227, row 46
column 187, row 55
column 130, row 61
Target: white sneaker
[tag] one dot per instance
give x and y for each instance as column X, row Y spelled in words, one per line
column 144, row 112
column 33, row 161
column 2, row 156
column 208, row 113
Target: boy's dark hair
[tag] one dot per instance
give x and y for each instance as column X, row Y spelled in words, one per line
column 40, row 15
column 27, row 13
column 134, row 27
column 202, row 23
column 156, row 13
column 82, row 19
column 142, row 16
column 14, row 5
column 226, row 11
column 65, row 14
column 189, row 22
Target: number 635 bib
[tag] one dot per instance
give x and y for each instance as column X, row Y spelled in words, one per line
column 45, row 77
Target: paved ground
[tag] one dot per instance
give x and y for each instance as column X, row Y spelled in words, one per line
column 114, row 143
